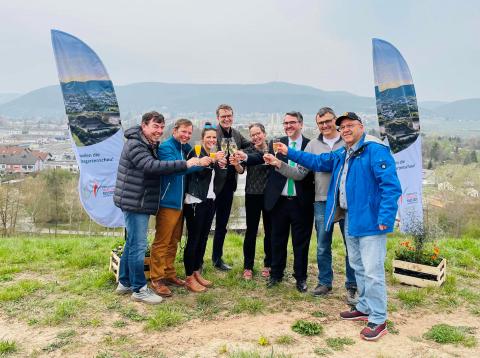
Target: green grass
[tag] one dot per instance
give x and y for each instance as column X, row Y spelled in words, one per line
column 285, row 339
column 65, row 310
column 339, row 343
column 412, row 297
column 446, row 334
column 19, row 290
column 392, row 328
column 132, row 314
column 307, row 328
column 248, row 305
column 7, row 347
column 319, row 314
column 119, row 323
column 165, row 317
column 255, row 354
column 65, row 283
column 322, row 352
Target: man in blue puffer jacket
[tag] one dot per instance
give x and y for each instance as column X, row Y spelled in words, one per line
column 365, row 188
column 169, row 218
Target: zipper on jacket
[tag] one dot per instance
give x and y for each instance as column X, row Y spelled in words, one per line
column 165, row 193
column 334, row 198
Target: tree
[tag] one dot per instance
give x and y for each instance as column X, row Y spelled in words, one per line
column 9, row 205
column 435, row 152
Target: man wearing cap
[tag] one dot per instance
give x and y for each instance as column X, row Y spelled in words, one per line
column 365, row 187
column 328, row 140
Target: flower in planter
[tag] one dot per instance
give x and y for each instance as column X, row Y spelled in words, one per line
column 426, row 255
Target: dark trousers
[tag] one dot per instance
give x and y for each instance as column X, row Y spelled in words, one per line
column 289, row 213
column 199, row 219
column 224, row 201
column 254, row 207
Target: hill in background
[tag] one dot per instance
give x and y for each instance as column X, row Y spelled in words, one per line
column 273, row 97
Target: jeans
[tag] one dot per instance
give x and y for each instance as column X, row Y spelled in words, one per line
column 324, row 250
column 367, row 258
column 131, row 271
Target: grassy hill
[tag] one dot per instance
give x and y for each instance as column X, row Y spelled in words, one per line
column 56, row 298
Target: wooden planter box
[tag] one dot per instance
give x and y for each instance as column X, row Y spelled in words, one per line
column 420, row 275
column 115, row 265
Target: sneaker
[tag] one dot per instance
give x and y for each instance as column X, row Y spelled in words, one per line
column 374, row 331
column 123, row 290
column 354, row 315
column 352, row 296
column 266, row 272
column 321, row 290
column 247, row 274
column 146, row 295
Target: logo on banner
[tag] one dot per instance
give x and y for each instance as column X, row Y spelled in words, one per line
column 97, row 189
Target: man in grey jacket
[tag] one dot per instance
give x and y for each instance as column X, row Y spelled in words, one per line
column 328, row 140
column 137, row 193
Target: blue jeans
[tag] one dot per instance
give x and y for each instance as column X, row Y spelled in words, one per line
column 367, row 258
column 324, row 250
column 131, row 264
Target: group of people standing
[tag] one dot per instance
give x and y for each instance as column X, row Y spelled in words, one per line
column 342, row 176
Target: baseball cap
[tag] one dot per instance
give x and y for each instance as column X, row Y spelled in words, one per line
column 348, row 115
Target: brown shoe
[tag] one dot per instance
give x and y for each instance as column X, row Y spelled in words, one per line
column 160, row 289
column 192, row 285
column 201, row 280
column 174, row 281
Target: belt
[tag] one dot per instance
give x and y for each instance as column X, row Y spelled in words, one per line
column 288, row 197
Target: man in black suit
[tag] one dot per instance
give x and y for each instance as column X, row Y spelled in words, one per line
column 291, row 206
column 227, row 184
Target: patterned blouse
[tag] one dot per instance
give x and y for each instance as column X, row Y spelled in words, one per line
column 256, row 175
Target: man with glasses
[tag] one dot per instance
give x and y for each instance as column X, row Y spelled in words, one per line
column 328, row 140
column 365, row 187
column 290, row 205
column 227, row 184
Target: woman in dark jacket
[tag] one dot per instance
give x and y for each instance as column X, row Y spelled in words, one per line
column 199, row 210
column 254, row 204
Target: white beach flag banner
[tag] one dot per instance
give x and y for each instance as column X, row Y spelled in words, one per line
column 94, row 123
column 399, row 123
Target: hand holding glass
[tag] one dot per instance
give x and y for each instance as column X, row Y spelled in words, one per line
column 276, row 142
column 282, row 148
column 198, row 148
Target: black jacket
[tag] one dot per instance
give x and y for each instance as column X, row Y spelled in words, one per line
column 139, row 171
column 199, row 181
column 305, row 188
column 242, row 143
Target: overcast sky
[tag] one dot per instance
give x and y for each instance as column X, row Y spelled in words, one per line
column 325, row 44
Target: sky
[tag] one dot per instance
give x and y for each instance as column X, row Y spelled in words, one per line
column 325, row 44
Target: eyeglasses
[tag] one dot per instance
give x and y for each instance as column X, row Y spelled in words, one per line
column 347, row 126
column 291, row 123
column 324, row 123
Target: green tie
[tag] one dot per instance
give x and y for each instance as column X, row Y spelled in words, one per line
column 291, row 183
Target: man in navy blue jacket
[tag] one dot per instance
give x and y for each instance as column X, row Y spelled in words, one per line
column 169, row 218
column 365, row 188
